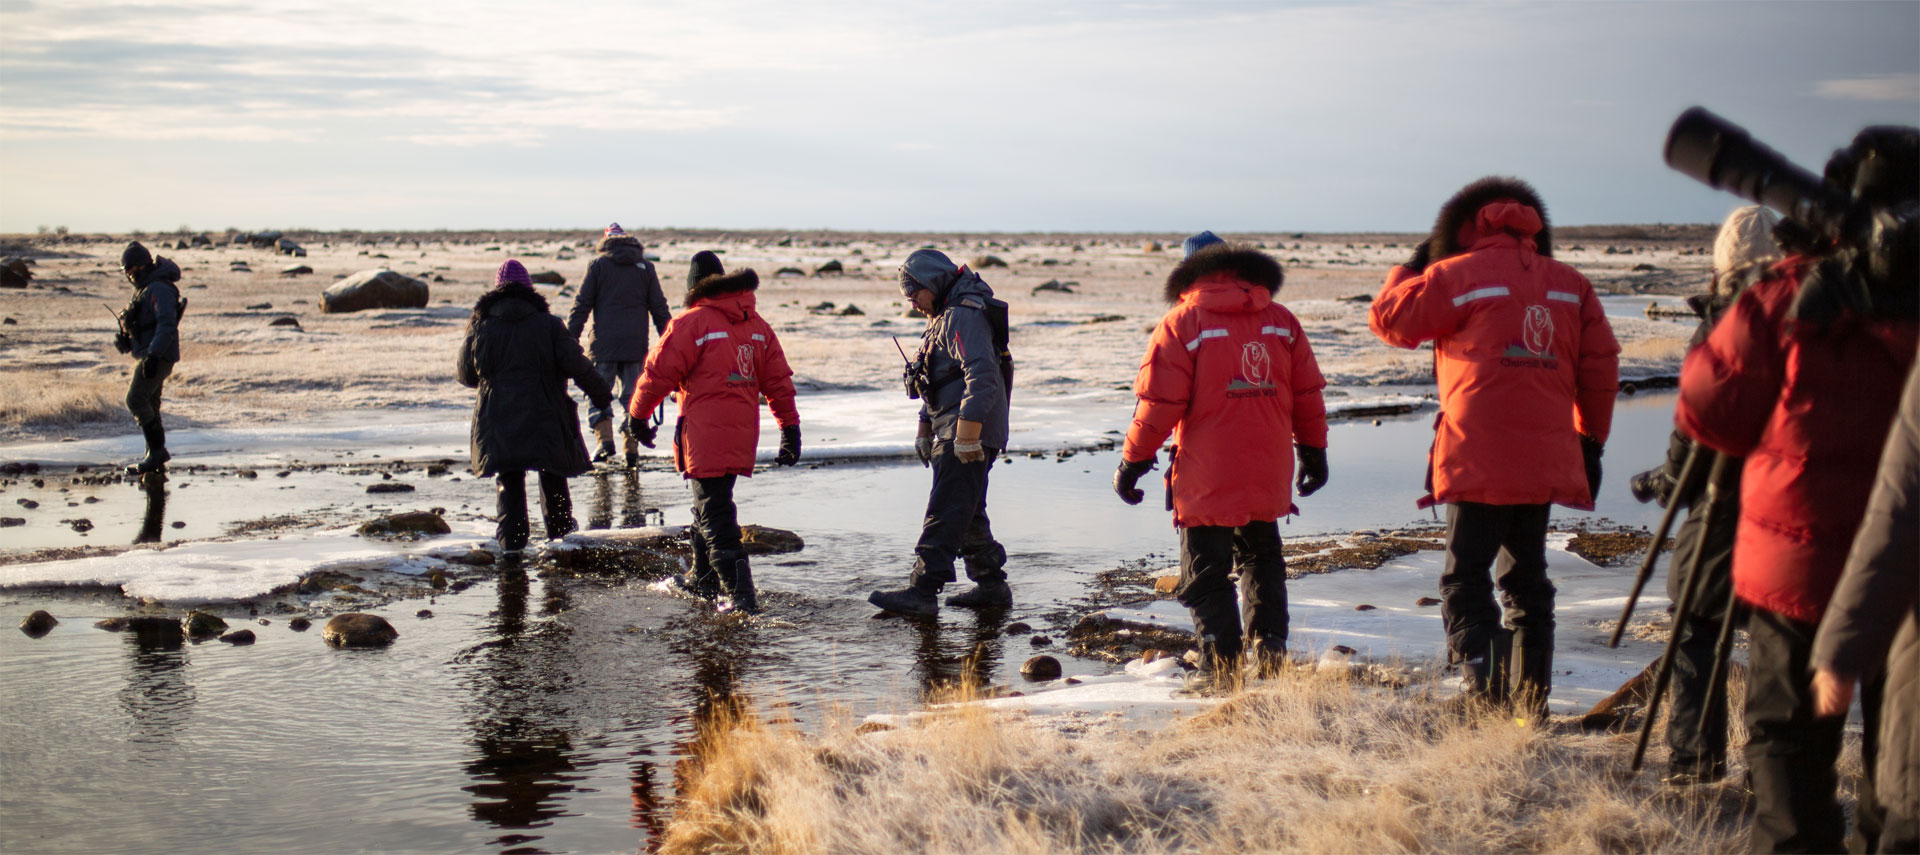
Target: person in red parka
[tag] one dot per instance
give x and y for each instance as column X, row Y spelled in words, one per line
column 1802, row 379
column 1528, row 369
column 720, row 356
column 1230, row 376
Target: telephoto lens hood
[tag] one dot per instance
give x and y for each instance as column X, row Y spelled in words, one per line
column 1722, row 155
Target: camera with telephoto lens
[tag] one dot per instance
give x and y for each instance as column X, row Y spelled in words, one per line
column 1652, row 485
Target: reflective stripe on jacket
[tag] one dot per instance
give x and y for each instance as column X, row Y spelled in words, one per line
column 721, row 357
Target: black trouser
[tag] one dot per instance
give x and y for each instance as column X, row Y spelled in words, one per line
column 1697, row 725
column 143, row 393
column 716, row 520
column 1790, row 754
column 956, row 524
column 1212, row 559
column 510, row 508
column 1477, row 535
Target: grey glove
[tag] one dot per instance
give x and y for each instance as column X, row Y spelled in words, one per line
column 923, row 446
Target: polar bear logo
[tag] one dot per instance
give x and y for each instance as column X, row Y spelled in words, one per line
column 743, row 361
column 1255, row 363
column 1537, row 330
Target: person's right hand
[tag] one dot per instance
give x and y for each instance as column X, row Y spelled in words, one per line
column 643, row 431
column 1832, row 693
column 1127, row 477
column 123, row 342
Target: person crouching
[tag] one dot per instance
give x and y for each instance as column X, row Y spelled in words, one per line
column 721, row 357
column 1230, row 375
column 520, row 356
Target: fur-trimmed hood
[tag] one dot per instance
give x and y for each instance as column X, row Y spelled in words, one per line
column 1459, row 225
column 721, row 284
column 623, row 249
column 1238, row 259
column 500, row 294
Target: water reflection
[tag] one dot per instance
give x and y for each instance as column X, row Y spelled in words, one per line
column 157, row 698
column 154, row 484
column 968, row 659
column 526, row 758
column 632, row 505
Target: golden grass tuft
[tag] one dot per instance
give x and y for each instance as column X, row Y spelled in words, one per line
column 39, row 399
column 1300, row 763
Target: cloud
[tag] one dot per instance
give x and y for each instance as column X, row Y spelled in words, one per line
column 1874, row 87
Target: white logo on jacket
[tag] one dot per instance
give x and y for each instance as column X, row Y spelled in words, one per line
column 1537, row 330
column 1255, row 363
column 743, row 361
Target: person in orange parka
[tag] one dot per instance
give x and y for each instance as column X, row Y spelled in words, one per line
column 1528, row 369
column 1230, row 375
column 721, row 357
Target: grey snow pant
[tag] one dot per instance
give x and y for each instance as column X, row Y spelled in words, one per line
column 624, row 379
column 143, row 393
column 956, row 524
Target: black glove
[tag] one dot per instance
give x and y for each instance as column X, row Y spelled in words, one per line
column 1418, row 261
column 789, row 446
column 1128, row 475
column 1313, row 470
column 123, row 342
column 147, row 368
column 642, row 431
column 1652, row 485
column 1591, row 449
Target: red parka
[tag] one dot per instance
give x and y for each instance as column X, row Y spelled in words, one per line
column 1523, row 354
column 721, row 357
column 1809, row 406
column 1230, row 375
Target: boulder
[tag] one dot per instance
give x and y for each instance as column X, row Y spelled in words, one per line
column 761, row 540
column 1040, row 668
column 830, row 267
column 38, row 624
column 790, row 271
column 295, row 270
column 15, row 272
column 407, row 523
column 238, row 636
column 850, row 311
column 1019, row 627
column 199, row 624
column 1165, row 584
column 982, row 262
column 1053, row 285
column 390, row 487
column 286, row 246
column 549, row 277
column 299, row 624
column 374, row 289
column 358, row 629
column 285, row 322
column 1150, row 246
column 1427, row 601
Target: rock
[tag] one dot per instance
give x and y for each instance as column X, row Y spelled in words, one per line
column 248, row 474
column 423, row 613
column 390, row 487
column 286, row 246
column 982, row 262
column 1150, row 246
column 1104, row 319
column 437, row 579
column 549, row 277
column 238, row 637
column 10, row 522
column 1644, row 267
column 374, row 289
column 1040, row 641
column 790, row 271
column 405, row 523
column 1052, row 285
column 15, row 272
column 1165, row 584
column 821, row 307
column 851, row 310
column 39, row 624
column 295, row 270
column 359, row 629
column 29, row 504
column 474, row 558
column 761, row 540
column 462, row 584
column 299, row 624
column 1426, row 601
column 199, row 624
column 81, row 525
column 1019, row 628
column 1042, row 667
column 1363, row 607
column 285, row 322
column 833, row 266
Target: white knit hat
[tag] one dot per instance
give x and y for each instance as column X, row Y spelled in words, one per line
column 1745, row 238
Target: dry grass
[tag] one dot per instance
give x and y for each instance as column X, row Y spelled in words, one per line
column 1302, row 763
column 41, row 400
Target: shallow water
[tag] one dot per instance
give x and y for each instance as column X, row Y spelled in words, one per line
column 553, row 714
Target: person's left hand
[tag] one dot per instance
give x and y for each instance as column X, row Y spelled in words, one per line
column 1313, row 470
column 966, row 442
column 789, row 446
column 1832, row 693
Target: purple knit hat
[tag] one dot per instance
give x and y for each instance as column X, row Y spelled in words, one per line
column 512, row 272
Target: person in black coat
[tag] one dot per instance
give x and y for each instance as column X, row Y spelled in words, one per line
column 620, row 292
column 150, row 332
column 520, row 356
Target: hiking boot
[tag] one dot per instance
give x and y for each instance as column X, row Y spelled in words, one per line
column 1533, row 682
column 695, row 586
column 909, row 601
column 1218, row 673
column 605, row 454
column 988, row 595
column 1690, row 776
column 1269, row 656
column 157, row 456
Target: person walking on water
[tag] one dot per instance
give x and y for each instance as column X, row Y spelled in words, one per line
column 520, row 357
column 1230, row 376
column 965, row 378
column 620, row 293
column 721, row 358
column 1528, row 369
column 150, row 332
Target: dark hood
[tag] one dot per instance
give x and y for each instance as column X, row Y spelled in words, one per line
column 1238, row 259
column 163, row 270
column 933, row 270
column 510, row 302
column 720, row 284
column 623, row 249
column 1457, row 227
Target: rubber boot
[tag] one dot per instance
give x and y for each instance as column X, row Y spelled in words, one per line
column 1533, row 682
column 990, row 595
column 633, row 453
column 157, row 456
column 700, row 582
column 912, row 601
column 1269, row 655
column 556, row 506
column 603, row 430
column 1484, row 679
column 1219, row 667
column 736, row 575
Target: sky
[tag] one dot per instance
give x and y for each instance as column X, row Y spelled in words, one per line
column 1077, row 115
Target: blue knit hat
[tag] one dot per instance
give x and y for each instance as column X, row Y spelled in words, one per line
column 1199, row 242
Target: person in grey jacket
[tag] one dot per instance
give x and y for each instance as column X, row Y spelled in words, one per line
column 965, row 378
column 620, row 292
column 1871, row 634
column 150, row 331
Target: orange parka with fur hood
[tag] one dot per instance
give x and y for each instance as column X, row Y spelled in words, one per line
column 1230, row 375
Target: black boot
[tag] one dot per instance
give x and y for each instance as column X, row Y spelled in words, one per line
column 1269, row 655
column 1219, row 667
column 987, row 595
column 912, row 601
column 1484, row 678
column 556, row 506
column 737, row 576
column 157, row 456
column 700, row 582
column 1533, row 681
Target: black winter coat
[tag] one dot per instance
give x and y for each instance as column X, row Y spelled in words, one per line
column 621, row 291
column 152, row 317
column 520, row 356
